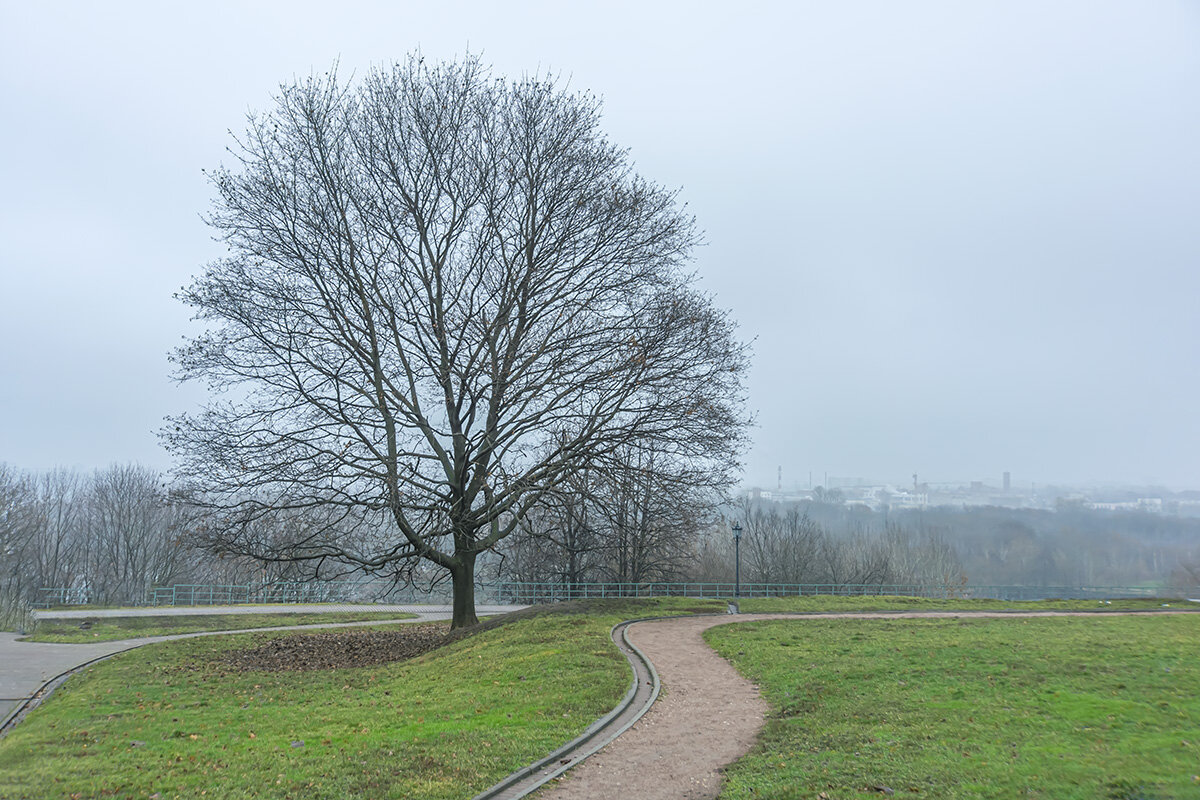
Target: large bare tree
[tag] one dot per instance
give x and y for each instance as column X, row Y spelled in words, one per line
column 444, row 295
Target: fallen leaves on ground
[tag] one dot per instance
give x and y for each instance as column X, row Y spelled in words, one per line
column 335, row 650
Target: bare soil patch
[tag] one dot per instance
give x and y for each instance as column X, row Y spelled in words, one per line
column 338, row 649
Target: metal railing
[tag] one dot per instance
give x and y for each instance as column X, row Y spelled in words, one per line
column 283, row 592
column 60, row 596
column 527, row 593
column 531, row 593
column 188, row 594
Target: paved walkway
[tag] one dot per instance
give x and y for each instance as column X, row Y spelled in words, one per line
column 289, row 608
column 25, row 667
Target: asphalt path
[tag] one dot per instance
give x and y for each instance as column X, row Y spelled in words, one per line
column 288, row 608
column 26, row 668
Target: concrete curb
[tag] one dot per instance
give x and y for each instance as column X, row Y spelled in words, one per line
column 643, row 691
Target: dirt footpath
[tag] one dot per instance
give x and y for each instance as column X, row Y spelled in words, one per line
column 707, row 717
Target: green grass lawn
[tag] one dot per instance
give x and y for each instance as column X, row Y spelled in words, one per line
column 827, row 603
column 103, row 629
column 1095, row 707
column 169, row 719
column 1063, row 709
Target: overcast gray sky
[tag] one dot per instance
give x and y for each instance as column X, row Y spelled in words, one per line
column 964, row 236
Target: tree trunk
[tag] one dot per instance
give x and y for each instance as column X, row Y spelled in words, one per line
column 463, row 577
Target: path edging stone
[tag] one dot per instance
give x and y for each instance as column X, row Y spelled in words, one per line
column 597, row 735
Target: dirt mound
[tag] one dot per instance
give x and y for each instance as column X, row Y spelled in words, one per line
column 335, row 650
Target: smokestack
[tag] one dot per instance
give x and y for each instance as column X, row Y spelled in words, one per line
column 1007, row 481
column 779, row 480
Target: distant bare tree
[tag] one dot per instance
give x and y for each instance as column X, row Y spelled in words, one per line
column 59, row 553
column 634, row 517
column 559, row 540
column 18, row 534
column 653, row 509
column 445, row 295
column 853, row 559
column 923, row 558
column 713, row 560
column 779, row 547
column 785, row 545
column 134, row 534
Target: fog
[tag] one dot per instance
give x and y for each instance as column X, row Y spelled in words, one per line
column 111, row 536
column 962, row 236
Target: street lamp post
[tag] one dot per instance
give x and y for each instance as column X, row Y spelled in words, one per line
column 737, row 560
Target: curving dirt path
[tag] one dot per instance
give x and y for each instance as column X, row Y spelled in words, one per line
column 708, row 715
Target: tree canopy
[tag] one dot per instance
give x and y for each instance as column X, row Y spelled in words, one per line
column 444, row 295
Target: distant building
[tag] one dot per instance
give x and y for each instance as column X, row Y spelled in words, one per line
column 1150, row 505
column 876, row 497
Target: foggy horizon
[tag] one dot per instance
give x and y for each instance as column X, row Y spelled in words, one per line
column 962, row 239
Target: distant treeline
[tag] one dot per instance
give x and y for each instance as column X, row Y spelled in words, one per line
column 830, row 543
column 1068, row 547
column 107, row 535
column 111, row 534
column 1072, row 546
